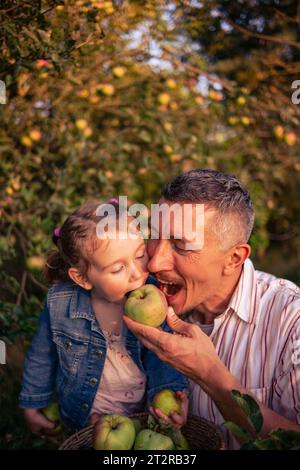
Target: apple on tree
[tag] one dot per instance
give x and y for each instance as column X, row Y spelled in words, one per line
column 147, row 305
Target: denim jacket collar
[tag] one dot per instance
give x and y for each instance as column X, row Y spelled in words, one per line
column 80, row 305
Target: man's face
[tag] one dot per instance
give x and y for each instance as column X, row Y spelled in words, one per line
column 196, row 273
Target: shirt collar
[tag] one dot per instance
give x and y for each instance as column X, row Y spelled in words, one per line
column 243, row 300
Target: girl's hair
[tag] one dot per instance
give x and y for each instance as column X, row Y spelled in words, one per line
column 76, row 240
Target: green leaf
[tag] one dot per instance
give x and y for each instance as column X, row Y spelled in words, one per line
column 175, row 435
column 250, row 407
column 267, row 444
column 248, row 446
column 287, row 438
column 151, row 422
column 241, row 434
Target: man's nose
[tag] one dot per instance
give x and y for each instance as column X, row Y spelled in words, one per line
column 161, row 257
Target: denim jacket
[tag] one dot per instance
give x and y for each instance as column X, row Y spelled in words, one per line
column 67, row 356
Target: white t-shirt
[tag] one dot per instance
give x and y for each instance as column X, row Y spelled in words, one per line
column 122, row 384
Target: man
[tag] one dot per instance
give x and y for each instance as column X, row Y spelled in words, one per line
column 241, row 327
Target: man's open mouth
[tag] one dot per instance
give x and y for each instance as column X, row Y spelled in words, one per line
column 170, row 288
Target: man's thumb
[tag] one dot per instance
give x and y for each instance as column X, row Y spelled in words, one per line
column 176, row 324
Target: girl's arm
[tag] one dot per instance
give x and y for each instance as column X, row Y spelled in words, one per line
column 39, row 368
column 161, row 376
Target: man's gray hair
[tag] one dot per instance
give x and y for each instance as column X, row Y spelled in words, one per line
column 223, row 192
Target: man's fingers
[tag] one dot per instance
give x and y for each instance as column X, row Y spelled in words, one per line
column 178, row 325
column 144, row 332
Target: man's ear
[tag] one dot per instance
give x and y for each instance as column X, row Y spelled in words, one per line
column 79, row 279
column 236, row 258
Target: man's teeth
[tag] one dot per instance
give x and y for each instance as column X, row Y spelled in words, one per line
column 169, row 283
column 170, row 288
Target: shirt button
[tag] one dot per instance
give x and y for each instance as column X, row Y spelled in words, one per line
column 98, row 353
column 68, row 344
column 85, row 406
column 93, row 381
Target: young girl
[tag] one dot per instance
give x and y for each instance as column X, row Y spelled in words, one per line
column 82, row 349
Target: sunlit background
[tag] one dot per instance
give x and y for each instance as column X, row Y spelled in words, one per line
column 109, row 98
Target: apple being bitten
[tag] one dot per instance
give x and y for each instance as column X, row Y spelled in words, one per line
column 147, row 305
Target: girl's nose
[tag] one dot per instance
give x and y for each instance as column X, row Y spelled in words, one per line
column 136, row 272
column 161, row 258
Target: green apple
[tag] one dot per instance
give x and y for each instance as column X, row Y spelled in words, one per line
column 183, row 443
column 150, row 440
column 147, row 305
column 137, row 425
column 51, row 412
column 114, row 432
column 167, row 402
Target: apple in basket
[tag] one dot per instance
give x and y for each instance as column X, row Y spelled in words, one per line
column 151, row 440
column 147, row 305
column 182, row 442
column 167, row 402
column 113, row 432
column 51, row 413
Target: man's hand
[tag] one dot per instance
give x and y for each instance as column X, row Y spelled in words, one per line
column 192, row 352
column 189, row 350
column 38, row 423
column 177, row 420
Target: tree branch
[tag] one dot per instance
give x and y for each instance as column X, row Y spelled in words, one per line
column 22, row 288
column 264, row 37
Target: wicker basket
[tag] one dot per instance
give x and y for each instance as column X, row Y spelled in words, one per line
column 200, row 434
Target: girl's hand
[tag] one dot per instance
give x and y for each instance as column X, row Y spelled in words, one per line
column 94, row 418
column 37, row 422
column 175, row 419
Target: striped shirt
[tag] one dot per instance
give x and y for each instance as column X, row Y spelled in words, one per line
column 258, row 340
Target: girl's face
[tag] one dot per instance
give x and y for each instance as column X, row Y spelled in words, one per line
column 118, row 267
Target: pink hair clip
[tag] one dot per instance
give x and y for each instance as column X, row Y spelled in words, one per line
column 56, row 232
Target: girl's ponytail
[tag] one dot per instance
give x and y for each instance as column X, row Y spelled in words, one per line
column 75, row 241
column 56, row 268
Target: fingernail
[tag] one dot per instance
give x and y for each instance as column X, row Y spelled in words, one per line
column 171, row 311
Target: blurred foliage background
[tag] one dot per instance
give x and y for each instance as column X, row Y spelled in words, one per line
column 115, row 97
